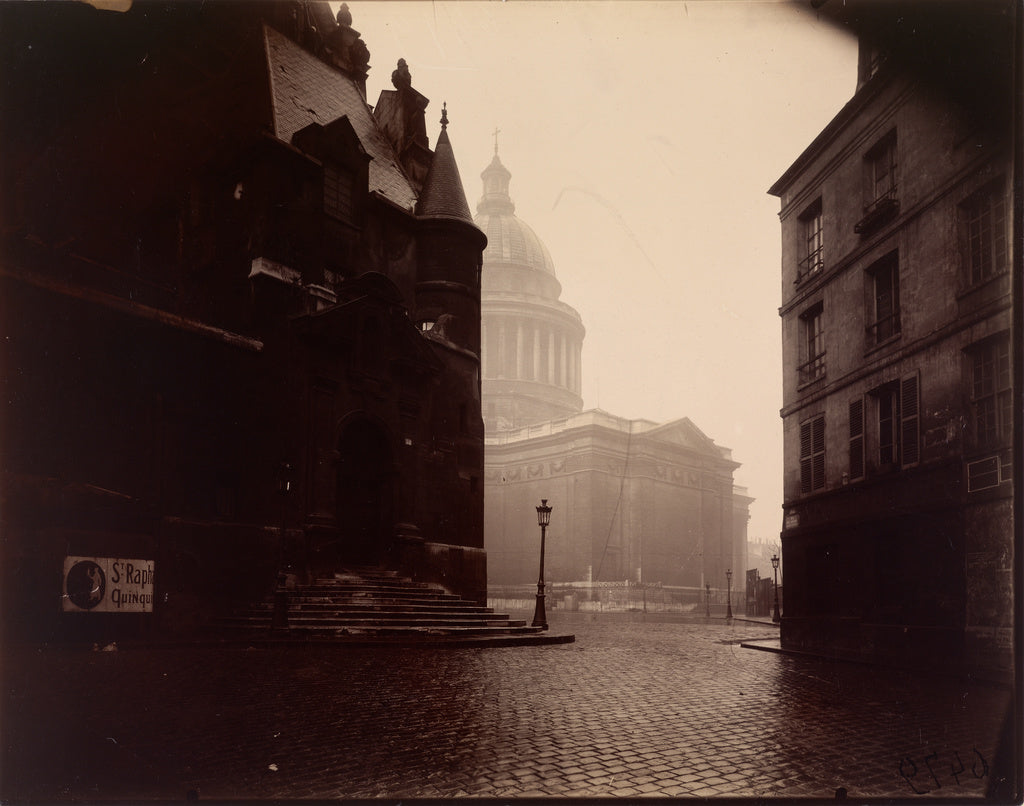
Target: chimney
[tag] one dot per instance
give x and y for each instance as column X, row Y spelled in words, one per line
column 400, row 115
column 345, row 49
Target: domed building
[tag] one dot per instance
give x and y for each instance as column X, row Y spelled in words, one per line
column 637, row 505
column 532, row 342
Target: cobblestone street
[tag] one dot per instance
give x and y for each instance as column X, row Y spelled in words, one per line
column 636, row 706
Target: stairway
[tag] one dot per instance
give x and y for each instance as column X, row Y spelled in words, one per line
column 378, row 606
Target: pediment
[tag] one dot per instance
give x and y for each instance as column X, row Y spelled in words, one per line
column 683, row 433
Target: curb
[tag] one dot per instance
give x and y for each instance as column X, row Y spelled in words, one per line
column 260, row 642
column 957, row 671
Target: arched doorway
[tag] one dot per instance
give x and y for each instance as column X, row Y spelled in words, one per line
column 365, row 499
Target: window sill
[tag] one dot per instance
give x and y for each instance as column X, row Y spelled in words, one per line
column 874, row 348
column 1001, row 279
column 879, row 212
column 805, row 385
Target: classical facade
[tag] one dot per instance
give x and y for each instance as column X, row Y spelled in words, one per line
column 633, row 501
column 240, row 331
column 896, row 332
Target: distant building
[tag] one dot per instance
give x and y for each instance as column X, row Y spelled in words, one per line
column 240, row 329
column 896, row 323
column 633, row 501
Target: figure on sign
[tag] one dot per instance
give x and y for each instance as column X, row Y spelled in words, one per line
column 86, row 584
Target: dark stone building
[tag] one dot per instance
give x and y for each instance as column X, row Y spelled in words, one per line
column 898, row 393
column 240, row 313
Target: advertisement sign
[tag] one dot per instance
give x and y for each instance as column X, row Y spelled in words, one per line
column 107, row 585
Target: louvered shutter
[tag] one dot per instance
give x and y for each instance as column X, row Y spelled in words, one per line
column 910, row 437
column 818, row 450
column 856, row 438
column 805, row 458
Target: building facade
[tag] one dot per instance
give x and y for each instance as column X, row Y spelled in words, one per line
column 634, row 502
column 217, row 262
column 896, row 335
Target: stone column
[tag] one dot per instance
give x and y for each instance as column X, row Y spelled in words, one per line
column 536, row 353
column 563, row 363
column 520, row 372
column 500, row 369
column 484, row 368
column 551, row 357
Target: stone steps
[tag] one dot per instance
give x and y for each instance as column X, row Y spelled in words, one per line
column 372, row 603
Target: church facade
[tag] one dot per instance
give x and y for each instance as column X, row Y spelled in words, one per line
column 634, row 502
column 240, row 317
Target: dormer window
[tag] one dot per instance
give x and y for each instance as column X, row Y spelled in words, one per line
column 427, row 324
column 880, row 200
column 345, row 170
column 339, row 186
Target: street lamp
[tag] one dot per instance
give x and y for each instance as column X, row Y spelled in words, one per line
column 540, row 618
column 728, row 606
column 776, row 617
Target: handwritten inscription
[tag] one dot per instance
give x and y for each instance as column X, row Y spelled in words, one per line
column 935, row 768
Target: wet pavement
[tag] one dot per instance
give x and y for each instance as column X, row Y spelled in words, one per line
column 637, row 706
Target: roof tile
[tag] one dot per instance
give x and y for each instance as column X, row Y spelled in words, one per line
column 306, row 90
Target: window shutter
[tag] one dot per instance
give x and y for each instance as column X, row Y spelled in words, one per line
column 910, row 439
column 818, row 450
column 857, row 438
column 805, row 458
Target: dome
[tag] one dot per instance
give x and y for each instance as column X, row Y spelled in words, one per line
column 509, row 238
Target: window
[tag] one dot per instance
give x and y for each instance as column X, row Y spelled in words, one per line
column 338, row 188
column 812, row 455
column 991, row 402
column 984, row 232
column 888, row 424
column 882, row 171
column 812, row 345
column 880, row 184
column 884, row 289
column 811, row 241
column 897, row 438
column 856, row 470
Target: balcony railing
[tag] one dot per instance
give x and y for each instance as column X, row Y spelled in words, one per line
column 884, row 328
column 877, row 212
column 812, row 370
column 812, row 264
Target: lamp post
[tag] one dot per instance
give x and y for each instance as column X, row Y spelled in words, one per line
column 707, row 598
column 728, row 606
column 776, row 616
column 540, row 618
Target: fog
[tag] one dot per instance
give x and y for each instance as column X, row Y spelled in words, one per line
column 642, row 138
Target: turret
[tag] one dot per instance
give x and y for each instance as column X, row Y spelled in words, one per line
column 450, row 248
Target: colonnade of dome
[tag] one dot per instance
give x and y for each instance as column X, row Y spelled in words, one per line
column 532, row 343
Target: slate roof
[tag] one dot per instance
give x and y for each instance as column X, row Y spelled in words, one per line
column 305, row 90
column 443, row 195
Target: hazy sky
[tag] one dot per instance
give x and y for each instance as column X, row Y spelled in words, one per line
column 642, row 138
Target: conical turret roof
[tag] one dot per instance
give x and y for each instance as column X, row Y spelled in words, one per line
column 443, row 195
